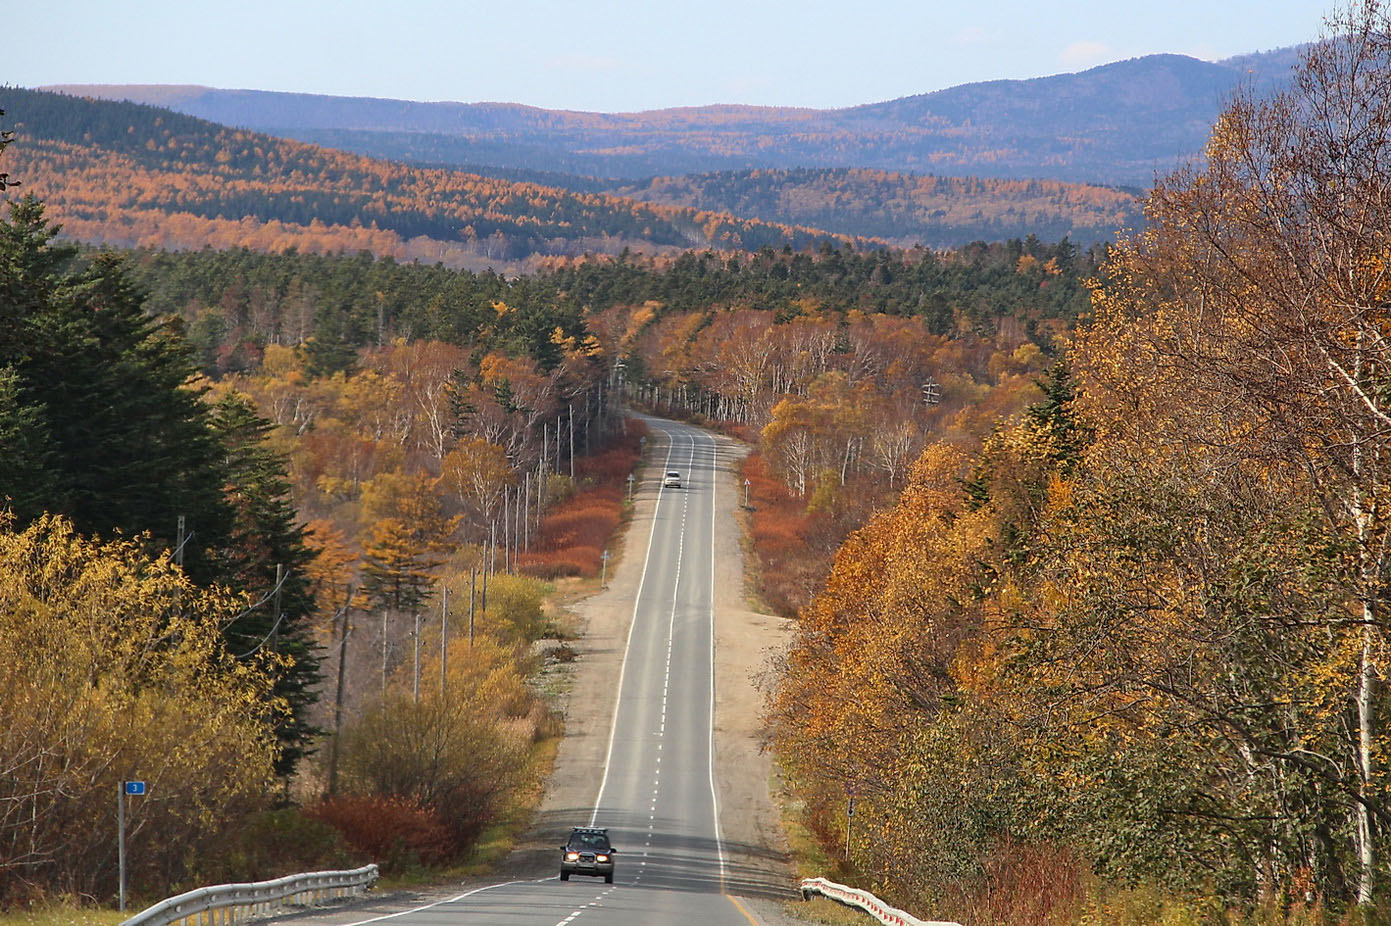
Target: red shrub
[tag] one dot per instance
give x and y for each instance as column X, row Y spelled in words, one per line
column 393, row 831
column 790, row 565
column 574, row 534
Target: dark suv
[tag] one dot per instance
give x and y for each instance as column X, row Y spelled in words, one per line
column 587, row 853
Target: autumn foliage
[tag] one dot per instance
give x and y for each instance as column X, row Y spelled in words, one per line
column 397, row 831
column 1135, row 636
column 137, row 176
column 113, row 665
column 574, row 536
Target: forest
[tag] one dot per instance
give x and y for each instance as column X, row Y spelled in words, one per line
column 130, row 175
column 1086, row 550
column 1124, row 661
column 903, row 208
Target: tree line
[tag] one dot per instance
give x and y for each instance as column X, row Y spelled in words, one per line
column 1137, row 637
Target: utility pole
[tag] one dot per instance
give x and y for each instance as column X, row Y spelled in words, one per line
column 275, row 623
column 415, row 680
column 384, row 612
column 444, row 637
column 483, row 605
column 338, row 695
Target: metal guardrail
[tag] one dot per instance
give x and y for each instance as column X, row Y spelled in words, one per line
column 864, row 900
column 228, row 903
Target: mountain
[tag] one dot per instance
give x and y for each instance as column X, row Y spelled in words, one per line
column 904, row 209
column 132, row 174
column 1115, row 124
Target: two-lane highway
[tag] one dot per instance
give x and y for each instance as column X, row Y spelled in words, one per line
column 656, row 791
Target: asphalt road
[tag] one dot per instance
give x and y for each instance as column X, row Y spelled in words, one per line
column 657, row 792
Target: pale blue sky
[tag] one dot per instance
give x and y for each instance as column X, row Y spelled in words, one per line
column 620, row 55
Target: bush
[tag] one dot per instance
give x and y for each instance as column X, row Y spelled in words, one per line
column 398, row 833
column 456, row 758
column 275, row 843
column 515, row 609
column 573, row 536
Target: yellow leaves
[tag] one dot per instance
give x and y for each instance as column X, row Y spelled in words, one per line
column 560, row 339
column 112, row 664
column 591, row 346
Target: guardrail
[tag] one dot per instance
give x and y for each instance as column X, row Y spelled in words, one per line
column 228, row 903
column 864, row 900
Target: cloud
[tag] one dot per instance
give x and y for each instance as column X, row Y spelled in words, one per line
column 975, row 35
column 1080, row 55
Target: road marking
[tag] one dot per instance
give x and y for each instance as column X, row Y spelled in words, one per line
column 437, row 903
column 714, row 793
column 627, row 648
column 747, row 915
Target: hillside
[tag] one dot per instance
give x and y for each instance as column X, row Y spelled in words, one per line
column 130, row 174
column 906, row 209
column 1115, row 124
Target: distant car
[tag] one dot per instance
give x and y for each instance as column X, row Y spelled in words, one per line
column 672, row 480
column 587, row 852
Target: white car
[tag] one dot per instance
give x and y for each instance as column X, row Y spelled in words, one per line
column 672, row 480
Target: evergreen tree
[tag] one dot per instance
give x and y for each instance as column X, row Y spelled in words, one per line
column 1056, row 416
column 130, row 446
column 267, row 556
column 99, row 422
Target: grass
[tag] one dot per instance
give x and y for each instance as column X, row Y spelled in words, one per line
column 65, row 914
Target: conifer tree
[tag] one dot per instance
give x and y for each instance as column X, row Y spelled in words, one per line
column 267, row 556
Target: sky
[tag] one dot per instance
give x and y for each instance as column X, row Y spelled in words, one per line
column 621, row 55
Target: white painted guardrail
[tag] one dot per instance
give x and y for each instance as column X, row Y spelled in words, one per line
column 864, row 900
column 228, row 903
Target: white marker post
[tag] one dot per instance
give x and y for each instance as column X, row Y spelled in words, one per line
column 134, row 789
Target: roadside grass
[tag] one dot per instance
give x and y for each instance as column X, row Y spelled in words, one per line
column 66, row 913
column 810, row 860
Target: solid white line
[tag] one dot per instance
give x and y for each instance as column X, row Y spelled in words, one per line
column 455, row 899
column 623, row 669
column 714, row 795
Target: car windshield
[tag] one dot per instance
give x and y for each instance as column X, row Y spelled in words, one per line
column 589, row 841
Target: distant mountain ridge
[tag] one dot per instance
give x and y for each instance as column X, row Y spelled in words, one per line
column 1118, row 123
column 132, row 174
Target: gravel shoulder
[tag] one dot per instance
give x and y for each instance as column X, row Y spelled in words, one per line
column 759, row 872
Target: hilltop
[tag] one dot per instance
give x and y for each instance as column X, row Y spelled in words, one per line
column 1114, row 124
column 131, row 174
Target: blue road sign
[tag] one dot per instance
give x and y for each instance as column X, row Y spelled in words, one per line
column 136, row 788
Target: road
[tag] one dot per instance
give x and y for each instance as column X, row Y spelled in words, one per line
column 656, row 792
